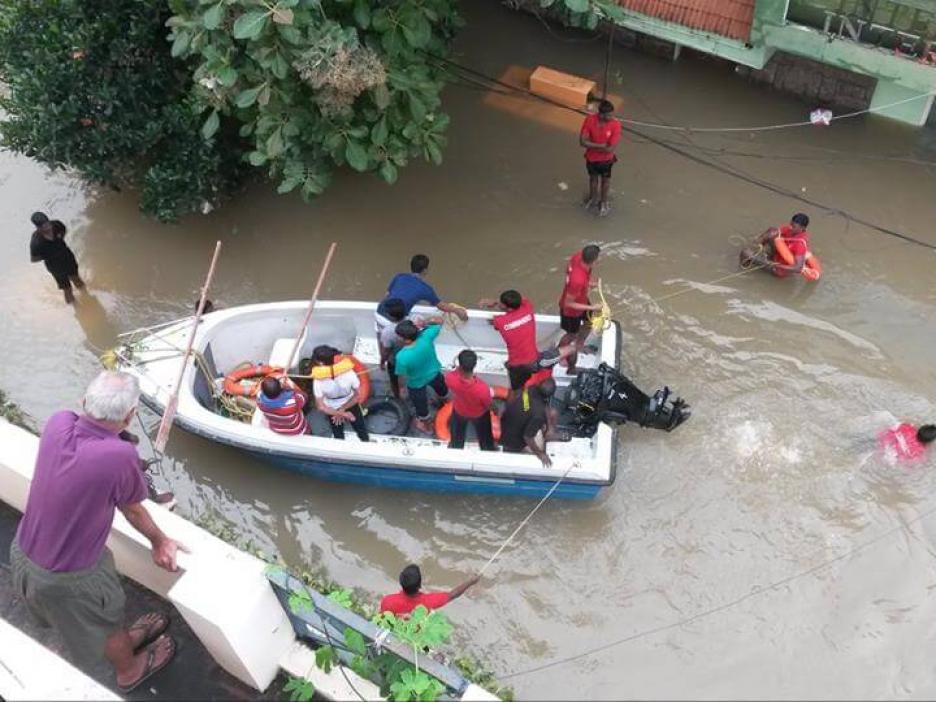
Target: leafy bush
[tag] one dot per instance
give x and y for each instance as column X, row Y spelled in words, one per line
column 320, row 83
column 90, row 86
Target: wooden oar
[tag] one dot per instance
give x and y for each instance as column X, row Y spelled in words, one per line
column 165, row 425
column 311, row 308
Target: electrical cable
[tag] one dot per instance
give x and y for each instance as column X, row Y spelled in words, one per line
column 720, row 608
column 723, row 168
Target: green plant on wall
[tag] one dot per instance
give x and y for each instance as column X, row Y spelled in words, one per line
column 315, row 84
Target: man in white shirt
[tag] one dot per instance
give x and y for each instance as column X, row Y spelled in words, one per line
column 336, row 388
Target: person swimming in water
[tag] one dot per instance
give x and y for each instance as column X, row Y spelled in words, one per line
column 904, row 442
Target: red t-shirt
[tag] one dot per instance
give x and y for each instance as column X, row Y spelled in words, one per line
column 470, row 398
column 518, row 327
column 577, row 280
column 901, row 443
column 797, row 243
column 401, row 604
column 607, row 133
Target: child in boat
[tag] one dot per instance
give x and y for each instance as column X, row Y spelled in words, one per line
column 282, row 406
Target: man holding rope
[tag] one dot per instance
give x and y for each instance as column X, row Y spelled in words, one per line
column 764, row 254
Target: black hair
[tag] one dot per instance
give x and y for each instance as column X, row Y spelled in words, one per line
column 411, row 579
column 547, row 388
column 926, row 433
column 511, row 299
column 395, row 309
column 419, row 263
column 271, row 388
column 324, row 355
column 58, row 228
column 38, row 219
column 407, row 330
column 467, row 360
column 605, row 107
column 590, row 253
column 800, row 219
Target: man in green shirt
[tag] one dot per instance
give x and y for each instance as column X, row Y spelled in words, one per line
column 417, row 362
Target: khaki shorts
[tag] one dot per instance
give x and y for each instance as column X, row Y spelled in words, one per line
column 85, row 606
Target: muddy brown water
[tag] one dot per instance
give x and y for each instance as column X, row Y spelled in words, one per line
column 769, row 480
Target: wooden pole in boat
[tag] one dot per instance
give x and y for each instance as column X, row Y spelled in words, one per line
column 165, row 424
column 311, row 308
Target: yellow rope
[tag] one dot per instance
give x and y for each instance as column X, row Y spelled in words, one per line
column 602, row 320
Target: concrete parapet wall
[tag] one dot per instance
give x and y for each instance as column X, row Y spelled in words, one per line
column 815, row 81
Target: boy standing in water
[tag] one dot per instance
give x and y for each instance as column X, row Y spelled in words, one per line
column 599, row 137
column 48, row 245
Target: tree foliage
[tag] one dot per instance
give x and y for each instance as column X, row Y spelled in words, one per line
column 90, row 86
column 317, row 84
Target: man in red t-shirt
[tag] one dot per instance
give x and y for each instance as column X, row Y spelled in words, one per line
column 518, row 329
column 794, row 236
column 574, row 305
column 599, row 137
column 410, row 597
column 471, row 403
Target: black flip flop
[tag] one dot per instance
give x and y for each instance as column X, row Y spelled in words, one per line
column 150, row 669
column 152, row 633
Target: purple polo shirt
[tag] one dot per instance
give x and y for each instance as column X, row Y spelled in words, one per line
column 83, row 472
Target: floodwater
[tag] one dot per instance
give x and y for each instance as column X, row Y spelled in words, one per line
column 757, row 551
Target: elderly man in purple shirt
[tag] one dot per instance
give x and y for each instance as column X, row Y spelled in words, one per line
column 61, row 568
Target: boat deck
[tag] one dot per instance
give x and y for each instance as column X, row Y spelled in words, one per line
column 193, row 675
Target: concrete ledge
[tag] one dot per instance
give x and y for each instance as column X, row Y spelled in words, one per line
column 30, row 671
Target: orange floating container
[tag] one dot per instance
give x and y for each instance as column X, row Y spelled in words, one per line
column 562, row 87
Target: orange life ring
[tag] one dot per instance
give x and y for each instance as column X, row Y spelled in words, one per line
column 236, row 382
column 812, row 268
column 498, row 392
column 783, row 251
column 363, row 375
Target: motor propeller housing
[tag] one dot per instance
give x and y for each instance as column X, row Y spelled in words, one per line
column 607, row 395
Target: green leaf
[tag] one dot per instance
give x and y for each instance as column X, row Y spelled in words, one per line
column 354, row 640
column 250, row 24
column 417, row 108
column 379, row 132
column 290, row 33
column 591, row 20
column 227, row 76
column 356, row 155
column 248, row 97
column 211, row 125
column 417, row 31
column 213, row 17
column 389, row 172
column 325, row 658
column 180, row 44
column 393, row 42
column 279, row 66
column 274, row 143
column 381, row 20
column 382, row 96
column 433, row 153
column 577, row 5
column 288, row 185
column 362, row 13
column 299, row 689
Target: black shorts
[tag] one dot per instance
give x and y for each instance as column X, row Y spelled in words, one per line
column 600, row 168
column 62, row 279
column 572, row 324
column 519, row 375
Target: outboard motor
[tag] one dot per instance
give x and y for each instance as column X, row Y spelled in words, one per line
column 606, row 395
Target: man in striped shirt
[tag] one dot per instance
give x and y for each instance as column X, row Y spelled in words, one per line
column 282, row 407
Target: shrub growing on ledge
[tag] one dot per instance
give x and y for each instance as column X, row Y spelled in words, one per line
column 90, row 86
column 317, row 84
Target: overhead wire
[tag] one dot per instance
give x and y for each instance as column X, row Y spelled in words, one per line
column 726, row 169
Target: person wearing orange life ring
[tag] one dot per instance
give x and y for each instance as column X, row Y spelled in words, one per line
column 784, row 251
column 338, row 391
column 471, row 403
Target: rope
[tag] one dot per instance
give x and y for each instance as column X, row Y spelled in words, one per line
column 527, row 519
column 710, row 282
column 754, row 592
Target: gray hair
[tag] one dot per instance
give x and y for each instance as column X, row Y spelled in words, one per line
column 111, row 396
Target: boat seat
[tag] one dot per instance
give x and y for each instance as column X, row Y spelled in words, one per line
column 279, row 356
column 258, row 420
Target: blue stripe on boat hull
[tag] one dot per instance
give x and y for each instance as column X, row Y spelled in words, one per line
column 401, row 479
